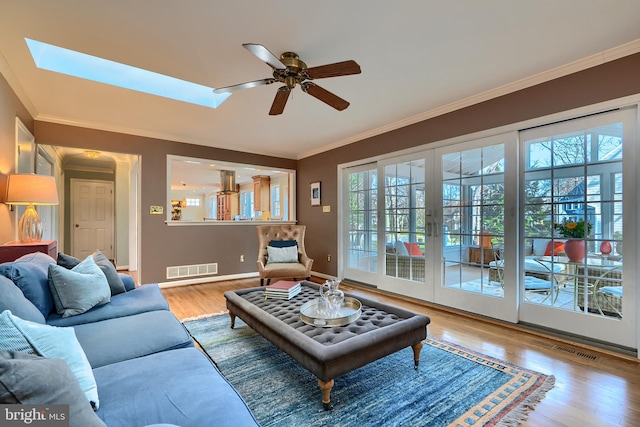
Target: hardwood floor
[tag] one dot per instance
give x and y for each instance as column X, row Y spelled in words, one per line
column 593, row 387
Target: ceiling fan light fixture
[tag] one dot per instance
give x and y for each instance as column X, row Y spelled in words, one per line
column 291, row 71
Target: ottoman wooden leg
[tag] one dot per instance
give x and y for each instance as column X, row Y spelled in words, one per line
column 233, row 319
column 416, row 354
column 325, row 387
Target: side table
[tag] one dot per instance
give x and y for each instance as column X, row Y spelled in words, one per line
column 13, row 250
column 478, row 255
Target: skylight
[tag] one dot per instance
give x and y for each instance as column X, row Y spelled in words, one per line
column 65, row 61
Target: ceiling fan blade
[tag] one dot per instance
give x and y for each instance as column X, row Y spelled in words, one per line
column 247, row 85
column 325, row 96
column 280, row 101
column 265, row 55
column 344, row 68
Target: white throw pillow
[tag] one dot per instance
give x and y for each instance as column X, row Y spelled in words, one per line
column 52, row 342
column 279, row 255
column 401, row 249
column 540, row 246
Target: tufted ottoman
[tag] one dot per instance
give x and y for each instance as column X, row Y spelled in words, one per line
column 327, row 353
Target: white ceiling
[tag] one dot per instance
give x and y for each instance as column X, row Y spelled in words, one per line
column 418, row 58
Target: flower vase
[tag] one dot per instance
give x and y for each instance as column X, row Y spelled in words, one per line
column 575, row 249
column 605, row 248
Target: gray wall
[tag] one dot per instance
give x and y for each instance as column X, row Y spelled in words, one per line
column 164, row 246
column 10, row 108
column 605, row 82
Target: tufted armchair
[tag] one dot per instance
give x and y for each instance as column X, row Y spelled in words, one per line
column 268, row 270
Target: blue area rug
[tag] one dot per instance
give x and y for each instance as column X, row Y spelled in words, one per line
column 454, row 386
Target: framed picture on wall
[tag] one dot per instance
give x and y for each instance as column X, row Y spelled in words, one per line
column 315, row 193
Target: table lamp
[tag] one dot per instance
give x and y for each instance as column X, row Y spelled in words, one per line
column 30, row 190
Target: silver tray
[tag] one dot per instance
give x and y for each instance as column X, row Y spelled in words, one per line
column 350, row 311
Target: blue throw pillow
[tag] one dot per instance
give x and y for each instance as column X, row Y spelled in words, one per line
column 80, row 289
column 286, row 254
column 51, row 342
column 283, row 243
column 67, row 261
column 110, row 272
column 29, row 273
column 115, row 282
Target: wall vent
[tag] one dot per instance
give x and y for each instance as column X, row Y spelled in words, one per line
column 575, row 352
column 181, row 271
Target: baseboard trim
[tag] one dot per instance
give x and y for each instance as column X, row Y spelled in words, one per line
column 207, row 279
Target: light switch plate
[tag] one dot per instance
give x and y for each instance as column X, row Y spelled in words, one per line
column 156, row 210
column 326, row 208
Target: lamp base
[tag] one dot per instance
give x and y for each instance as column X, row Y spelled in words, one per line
column 30, row 226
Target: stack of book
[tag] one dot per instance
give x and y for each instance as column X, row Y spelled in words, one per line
column 282, row 289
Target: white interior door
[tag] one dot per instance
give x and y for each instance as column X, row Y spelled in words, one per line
column 92, row 217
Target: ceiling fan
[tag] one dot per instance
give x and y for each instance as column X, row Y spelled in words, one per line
column 290, row 70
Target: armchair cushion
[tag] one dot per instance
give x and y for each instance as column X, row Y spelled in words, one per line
column 283, row 254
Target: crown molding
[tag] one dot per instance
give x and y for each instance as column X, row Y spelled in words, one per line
column 15, row 85
column 600, row 58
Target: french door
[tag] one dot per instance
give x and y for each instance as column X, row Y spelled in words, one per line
column 472, row 195
column 359, row 226
column 583, row 171
column 474, row 226
column 415, row 222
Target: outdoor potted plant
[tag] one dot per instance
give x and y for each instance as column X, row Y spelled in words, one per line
column 575, row 232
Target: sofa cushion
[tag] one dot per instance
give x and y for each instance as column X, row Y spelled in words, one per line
column 282, row 255
column 12, row 298
column 129, row 283
column 122, row 338
column 179, row 387
column 30, row 274
column 31, row 379
column 48, row 341
column 140, row 300
column 107, row 267
column 79, row 289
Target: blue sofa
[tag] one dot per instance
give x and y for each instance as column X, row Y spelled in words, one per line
column 145, row 366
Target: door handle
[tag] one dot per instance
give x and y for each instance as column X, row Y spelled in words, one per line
column 429, row 230
column 77, row 225
column 435, row 228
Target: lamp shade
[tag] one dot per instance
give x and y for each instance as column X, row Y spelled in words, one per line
column 25, row 189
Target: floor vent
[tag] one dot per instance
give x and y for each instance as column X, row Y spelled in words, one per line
column 181, row 271
column 575, row 352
